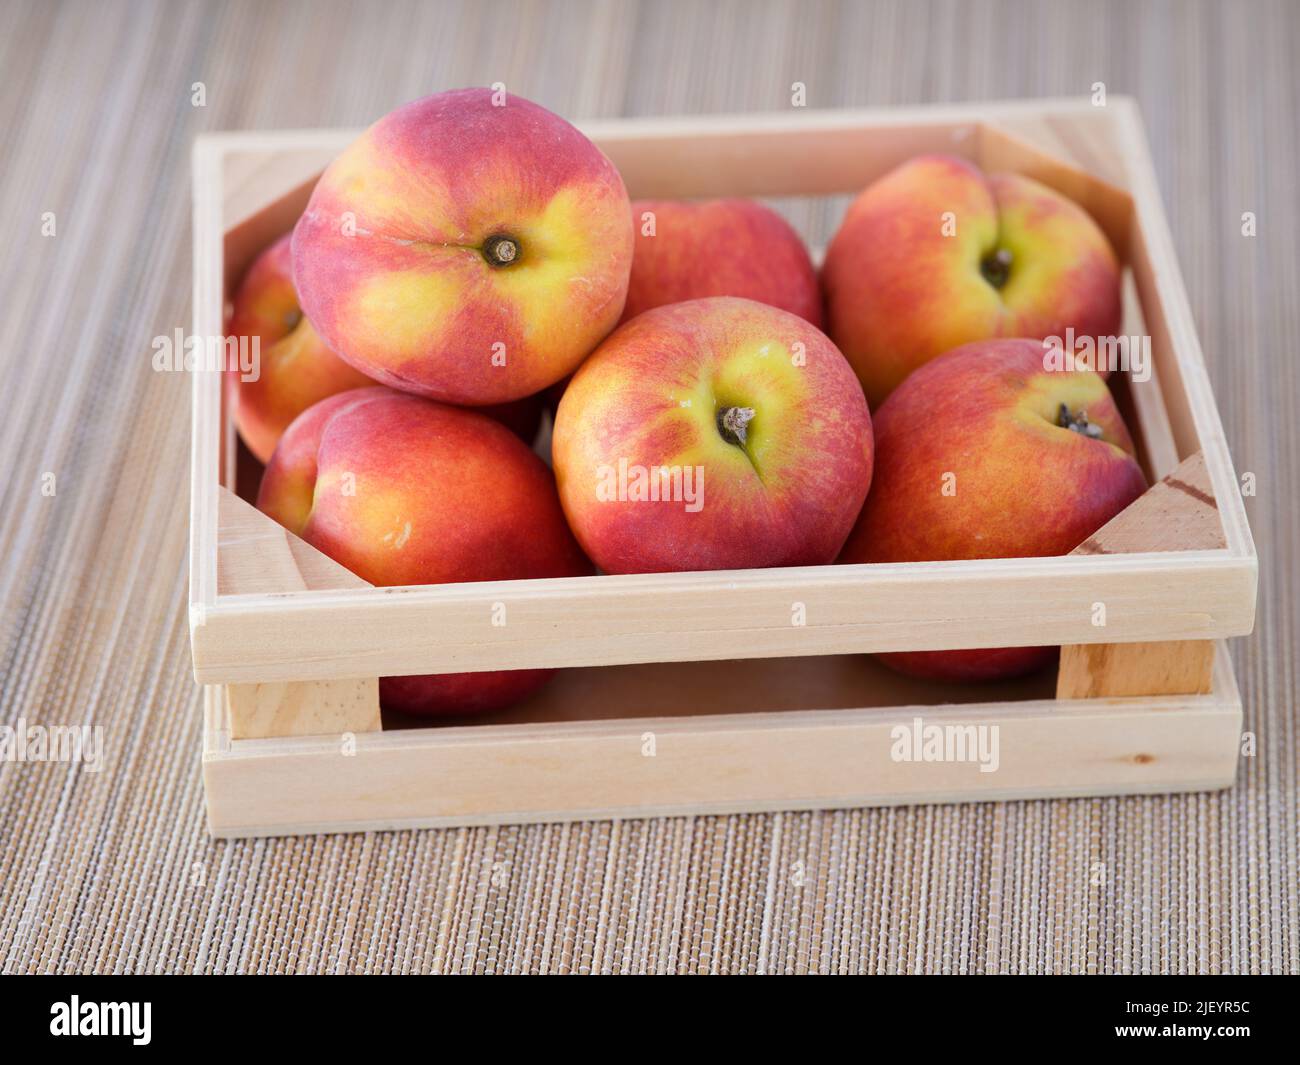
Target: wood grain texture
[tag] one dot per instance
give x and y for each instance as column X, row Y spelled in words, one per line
column 256, row 555
column 1116, row 670
column 703, row 763
column 114, row 871
column 1177, row 512
column 307, row 708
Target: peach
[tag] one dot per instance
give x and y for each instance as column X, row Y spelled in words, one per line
column 466, row 251
column 936, row 254
column 296, row 369
column 713, row 434
column 455, row 694
column 983, row 453
column 687, row 251
column 402, row 490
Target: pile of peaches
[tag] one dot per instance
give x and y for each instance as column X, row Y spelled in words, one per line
column 473, row 261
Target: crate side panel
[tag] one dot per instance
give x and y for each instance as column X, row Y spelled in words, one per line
column 740, row 614
column 645, row 768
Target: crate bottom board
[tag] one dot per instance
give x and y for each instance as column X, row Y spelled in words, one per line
column 715, row 763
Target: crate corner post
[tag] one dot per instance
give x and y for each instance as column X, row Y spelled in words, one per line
column 1176, row 513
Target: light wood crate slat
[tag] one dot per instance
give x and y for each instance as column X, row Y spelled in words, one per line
column 806, row 759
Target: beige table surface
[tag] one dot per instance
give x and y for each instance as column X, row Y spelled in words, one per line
column 114, row 871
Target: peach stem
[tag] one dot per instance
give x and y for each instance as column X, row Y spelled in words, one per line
column 732, row 422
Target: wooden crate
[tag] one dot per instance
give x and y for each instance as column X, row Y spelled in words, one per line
column 696, row 692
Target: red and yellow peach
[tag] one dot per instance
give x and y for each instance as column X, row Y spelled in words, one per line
column 713, row 434
column 402, row 490
column 936, row 254
column 295, row 368
column 983, row 453
column 686, row 251
column 469, row 247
